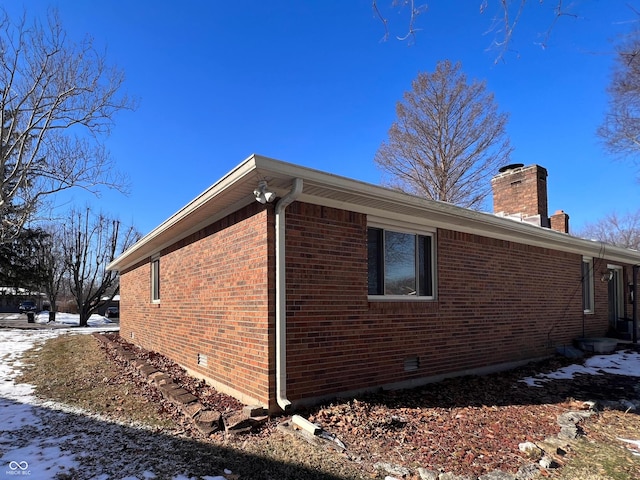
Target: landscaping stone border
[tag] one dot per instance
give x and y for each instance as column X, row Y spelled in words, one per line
column 204, row 420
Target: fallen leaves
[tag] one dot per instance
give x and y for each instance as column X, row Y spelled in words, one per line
column 467, row 425
column 470, row 425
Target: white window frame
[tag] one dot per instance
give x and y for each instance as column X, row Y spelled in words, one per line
column 412, row 229
column 155, row 279
column 588, row 298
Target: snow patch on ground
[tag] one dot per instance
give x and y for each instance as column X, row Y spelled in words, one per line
column 633, row 447
column 620, row 363
column 39, row 440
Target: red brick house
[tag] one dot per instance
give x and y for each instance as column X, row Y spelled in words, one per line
column 328, row 286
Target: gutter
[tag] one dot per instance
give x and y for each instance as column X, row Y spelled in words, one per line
column 281, row 295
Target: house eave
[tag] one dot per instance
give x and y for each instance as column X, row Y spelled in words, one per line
column 235, row 190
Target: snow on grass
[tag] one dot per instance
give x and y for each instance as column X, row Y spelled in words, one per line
column 42, row 440
column 623, row 362
column 72, row 319
column 633, row 447
column 65, row 319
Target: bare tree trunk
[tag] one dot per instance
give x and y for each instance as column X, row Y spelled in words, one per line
column 89, row 244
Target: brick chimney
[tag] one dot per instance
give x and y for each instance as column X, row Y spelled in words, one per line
column 520, row 192
column 560, row 222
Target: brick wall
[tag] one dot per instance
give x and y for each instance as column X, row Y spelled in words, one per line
column 216, row 295
column 498, row 302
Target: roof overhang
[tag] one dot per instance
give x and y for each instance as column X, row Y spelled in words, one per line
column 235, row 190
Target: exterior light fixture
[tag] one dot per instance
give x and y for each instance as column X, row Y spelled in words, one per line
column 607, row 276
column 263, row 195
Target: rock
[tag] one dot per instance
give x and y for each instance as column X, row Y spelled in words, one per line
column 547, row 462
column 392, row 469
column 193, row 409
column 497, row 475
column 186, row 398
column 237, row 422
column 254, row 411
column 160, row 378
column 447, row 476
column 571, row 418
column 531, row 450
column 528, row 472
column 427, row 474
column 138, row 364
column 168, row 387
column 208, row 421
column 147, row 370
column 176, row 393
column 568, row 421
column 452, row 476
column 570, row 432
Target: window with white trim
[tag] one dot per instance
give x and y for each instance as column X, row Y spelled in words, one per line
column 400, row 264
column 155, row 279
column 587, row 285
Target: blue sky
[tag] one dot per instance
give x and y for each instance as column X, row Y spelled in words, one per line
column 310, row 82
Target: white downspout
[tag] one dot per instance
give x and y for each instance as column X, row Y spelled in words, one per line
column 281, row 295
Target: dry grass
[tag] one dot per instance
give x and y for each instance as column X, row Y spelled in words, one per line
column 601, row 455
column 71, row 369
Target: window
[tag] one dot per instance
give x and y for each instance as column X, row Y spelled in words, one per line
column 587, row 285
column 155, row 279
column 400, row 264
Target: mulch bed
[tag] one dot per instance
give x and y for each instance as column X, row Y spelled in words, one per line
column 465, row 425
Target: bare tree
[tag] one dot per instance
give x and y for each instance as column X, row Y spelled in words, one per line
column 619, row 230
column 620, row 129
column 448, row 139
column 52, row 264
column 414, row 10
column 508, row 14
column 58, row 100
column 90, row 242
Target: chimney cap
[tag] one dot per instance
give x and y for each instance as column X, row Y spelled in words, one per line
column 511, row 166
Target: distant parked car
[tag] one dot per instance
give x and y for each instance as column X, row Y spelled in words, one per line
column 27, row 306
column 112, row 312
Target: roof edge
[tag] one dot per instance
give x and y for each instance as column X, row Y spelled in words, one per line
column 361, row 197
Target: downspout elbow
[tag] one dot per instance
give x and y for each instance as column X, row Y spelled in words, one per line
column 281, row 295
column 290, row 197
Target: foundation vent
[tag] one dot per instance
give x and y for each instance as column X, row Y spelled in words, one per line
column 203, row 360
column 411, row 364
